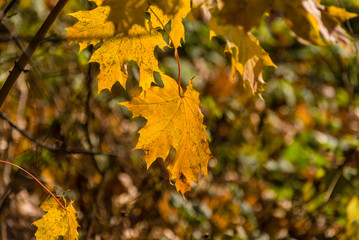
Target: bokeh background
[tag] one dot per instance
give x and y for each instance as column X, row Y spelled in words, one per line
column 285, row 167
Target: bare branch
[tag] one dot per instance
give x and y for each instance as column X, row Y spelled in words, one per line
column 50, row 148
column 25, row 57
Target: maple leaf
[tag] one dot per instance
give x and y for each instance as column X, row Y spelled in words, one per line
column 332, row 17
column 116, row 52
column 308, row 19
column 299, row 20
column 91, row 27
column 247, row 56
column 126, row 13
column 246, row 13
column 173, row 122
column 177, row 29
column 352, row 231
column 118, row 48
column 57, row 222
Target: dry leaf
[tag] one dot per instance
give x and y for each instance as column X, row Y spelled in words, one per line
column 177, row 29
column 308, row 19
column 117, row 48
column 57, row 222
column 246, row 13
column 126, row 13
column 352, row 229
column 173, row 122
column 115, row 53
column 247, row 56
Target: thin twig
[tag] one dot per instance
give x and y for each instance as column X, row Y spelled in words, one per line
column 25, row 57
column 350, row 29
column 7, row 9
column 50, row 148
column 37, row 180
column 18, row 42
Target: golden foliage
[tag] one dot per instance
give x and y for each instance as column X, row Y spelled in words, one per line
column 247, row 57
column 297, row 17
column 173, row 122
column 57, row 222
column 246, row 13
column 126, row 13
column 307, row 19
column 126, row 36
column 116, row 52
column 177, row 29
column 352, row 226
column 138, row 44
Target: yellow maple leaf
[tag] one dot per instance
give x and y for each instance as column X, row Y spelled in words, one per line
column 331, row 18
column 310, row 20
column 177, row 29
column 173, row 122
column 118, row 49
column 115, row 53
column 352, row 226
column 91, row 27
column 57, row 222
column 303, row 24
column 248, row 58
column 126, row 13
column 246, row 13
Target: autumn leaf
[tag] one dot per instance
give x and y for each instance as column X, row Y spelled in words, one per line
column 302, row 23
column 352, row 230
column 173, row 122
column 332, row 17
column 247, row 57
column 177, row 29
column 246, row 13
column 126, row 13
column 57, row 222
column 117, row 48
column 91, row 27
column 116, row 52
column 126, row 36
column 308, row 20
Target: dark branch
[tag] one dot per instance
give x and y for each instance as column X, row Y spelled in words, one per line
column 50, row 148
column 25, row 57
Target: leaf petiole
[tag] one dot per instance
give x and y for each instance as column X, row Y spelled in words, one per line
column 37, row 180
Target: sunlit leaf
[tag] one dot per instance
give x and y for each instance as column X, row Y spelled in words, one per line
column 173, row 122
column 247, row 57
column 57, row 222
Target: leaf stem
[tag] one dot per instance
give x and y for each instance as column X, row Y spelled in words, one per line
column 179, row 73
column 37, row 180
column 180, row 92
column 26, row 55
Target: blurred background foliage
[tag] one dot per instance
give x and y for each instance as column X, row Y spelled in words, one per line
column 285, row 167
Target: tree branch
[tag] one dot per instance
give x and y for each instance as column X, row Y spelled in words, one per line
column 50, row 148
column 25, row 57
column 7, row 9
